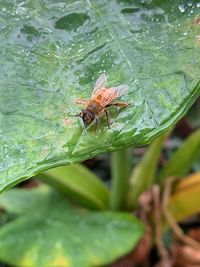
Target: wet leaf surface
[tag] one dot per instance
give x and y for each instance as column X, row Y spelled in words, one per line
column 50, row 232
column 52, row 53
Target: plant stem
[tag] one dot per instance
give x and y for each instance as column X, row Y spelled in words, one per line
column 120, row 168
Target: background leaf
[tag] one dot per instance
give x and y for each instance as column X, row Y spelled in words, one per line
column 142, row 176
column 59, row 235
column 78, row 183
column 185, row 199
column 20, row 201
column 181, row 160
column 52, row 53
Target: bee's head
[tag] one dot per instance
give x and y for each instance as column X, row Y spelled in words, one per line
column 87, row 117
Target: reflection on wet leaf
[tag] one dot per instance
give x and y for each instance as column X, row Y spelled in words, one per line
column 71, row 22
column 129, row 10
column 30, row 32
column 27, row 29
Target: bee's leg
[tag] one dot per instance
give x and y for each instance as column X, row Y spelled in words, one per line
column 97, row 123
column 107, row 117
column 76, row 115
column 81, row 101
column 118, row 104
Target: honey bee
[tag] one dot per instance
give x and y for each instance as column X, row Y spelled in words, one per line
column 101, row 99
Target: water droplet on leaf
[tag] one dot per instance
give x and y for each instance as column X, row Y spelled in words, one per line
column 182, row 8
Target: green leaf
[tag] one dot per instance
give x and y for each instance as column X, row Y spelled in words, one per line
column 143, row 174
column 52, row 53
column 79, row 184
column 182, row 160
column 185, row 199
column 56, row 234
column 20, row 201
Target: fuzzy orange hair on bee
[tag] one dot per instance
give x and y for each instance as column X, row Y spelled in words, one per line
column 102, row 98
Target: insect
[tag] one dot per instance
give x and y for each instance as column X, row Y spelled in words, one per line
column 101, row 99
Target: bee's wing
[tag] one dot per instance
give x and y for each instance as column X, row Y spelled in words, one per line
column 100, row 83
column 113, row 93
column 121, row 89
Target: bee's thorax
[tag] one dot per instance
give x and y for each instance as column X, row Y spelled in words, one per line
column 93, row 107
